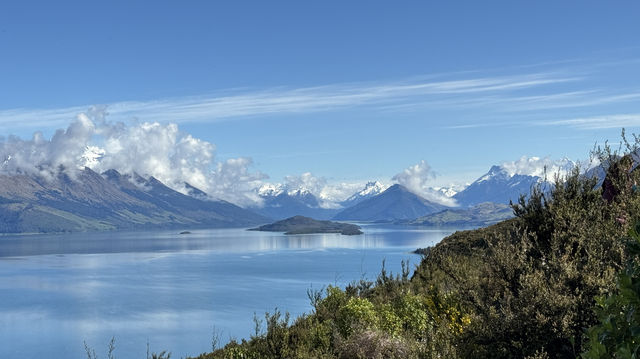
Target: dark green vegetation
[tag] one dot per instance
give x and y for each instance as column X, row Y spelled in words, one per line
column 523, row 288
column 306, row 225
column 480, row 215
column 618, row 333
column 72, row 201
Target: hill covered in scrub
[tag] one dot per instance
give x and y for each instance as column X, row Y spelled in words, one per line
column 479, row 215
column 522, row 288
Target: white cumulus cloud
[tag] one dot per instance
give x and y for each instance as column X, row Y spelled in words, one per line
column 536, row 166
column 149, row 149
column 306, row 182
column 45, row 157
column 417, row 179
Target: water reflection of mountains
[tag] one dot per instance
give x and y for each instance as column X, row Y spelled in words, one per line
column 214, row 240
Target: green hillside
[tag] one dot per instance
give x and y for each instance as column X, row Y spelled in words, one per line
column 523, row 288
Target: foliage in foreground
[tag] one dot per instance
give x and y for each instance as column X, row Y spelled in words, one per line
column 618, row 333
column 91, row 353
column 524, row 288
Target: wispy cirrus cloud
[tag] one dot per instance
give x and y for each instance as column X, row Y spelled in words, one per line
column 598, row 122
column 236, row 105
column 571, row 99
column 510, row 103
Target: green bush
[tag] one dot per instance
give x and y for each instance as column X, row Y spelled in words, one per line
column 618, row 333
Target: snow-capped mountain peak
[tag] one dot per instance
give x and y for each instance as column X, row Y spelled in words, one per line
column 446, row 191
column 299, row 192
column 529, row 167
column 371, row 189
column 273, row 190
column 495, row 171
column 281, row 201
column 511, row 179
column 270, row 190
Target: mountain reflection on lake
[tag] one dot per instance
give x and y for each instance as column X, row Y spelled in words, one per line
column 172, row 289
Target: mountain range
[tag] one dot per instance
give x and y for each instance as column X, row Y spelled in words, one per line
column 84, row 200
column 280, row 203
column 496, row 186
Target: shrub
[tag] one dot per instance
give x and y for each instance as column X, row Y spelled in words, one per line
column 618, row 333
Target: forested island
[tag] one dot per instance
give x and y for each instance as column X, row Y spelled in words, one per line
column 306, row 225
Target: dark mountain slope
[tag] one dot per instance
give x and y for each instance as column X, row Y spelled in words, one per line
column 87, row 200
column 395, row 203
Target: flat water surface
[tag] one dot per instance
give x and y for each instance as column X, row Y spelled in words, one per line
column 173, row 290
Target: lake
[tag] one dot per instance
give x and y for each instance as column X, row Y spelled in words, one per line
column 171, row 290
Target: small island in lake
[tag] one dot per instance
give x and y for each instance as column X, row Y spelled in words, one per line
column 306, row 225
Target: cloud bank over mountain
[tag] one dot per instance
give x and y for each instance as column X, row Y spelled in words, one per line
column 539, row 167
column 153, row 149
column 418, row 179
column 148, row 148
column 328, row 194
column 177, row 158
column 42, row 156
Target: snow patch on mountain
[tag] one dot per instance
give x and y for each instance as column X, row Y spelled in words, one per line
column 371, row 189
column 448, row 191
column 328, row 195
column 270, row 189
column 511, row 179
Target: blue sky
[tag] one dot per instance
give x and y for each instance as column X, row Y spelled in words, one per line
column 349, row 91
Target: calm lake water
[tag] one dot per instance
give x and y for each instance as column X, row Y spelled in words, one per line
column 171, row 290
